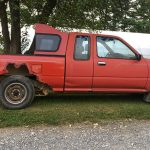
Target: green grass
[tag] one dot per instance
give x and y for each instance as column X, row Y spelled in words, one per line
column 70, row 109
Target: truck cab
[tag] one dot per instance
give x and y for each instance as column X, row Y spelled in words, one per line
column 103, row 63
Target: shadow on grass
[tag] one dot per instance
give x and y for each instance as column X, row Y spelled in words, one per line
column 90, row 98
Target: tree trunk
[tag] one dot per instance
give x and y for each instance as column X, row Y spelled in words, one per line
column 15, row 27
column 4, row 24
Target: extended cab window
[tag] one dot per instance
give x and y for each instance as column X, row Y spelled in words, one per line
column 108, row 47
column 47, row 42
column 82, row 49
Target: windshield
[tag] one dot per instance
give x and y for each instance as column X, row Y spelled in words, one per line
column 139, row 41
column 144, row 51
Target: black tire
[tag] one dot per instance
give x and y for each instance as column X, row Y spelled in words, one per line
column 16, row 92
column 147, row 98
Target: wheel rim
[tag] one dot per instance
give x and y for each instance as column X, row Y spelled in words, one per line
column 15, row 93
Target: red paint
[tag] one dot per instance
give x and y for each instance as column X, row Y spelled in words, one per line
column 78, row 73
column 52, row 71
column 63, row 73
column 37, row 69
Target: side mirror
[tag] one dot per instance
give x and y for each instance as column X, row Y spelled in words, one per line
column 139, row 56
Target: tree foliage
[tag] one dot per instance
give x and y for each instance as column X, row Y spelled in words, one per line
column 114, row 15
column 21, row 13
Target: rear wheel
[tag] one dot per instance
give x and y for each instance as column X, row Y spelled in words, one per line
column 16, row 92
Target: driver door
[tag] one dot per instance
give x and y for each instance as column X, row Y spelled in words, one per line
column 116, row 67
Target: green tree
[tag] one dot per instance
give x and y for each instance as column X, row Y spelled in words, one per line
column 103, row 15
column 140, row 18
column 21, row 13
column 4, row 24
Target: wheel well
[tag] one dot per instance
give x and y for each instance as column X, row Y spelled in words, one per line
column 21, row 70
column 13, row 69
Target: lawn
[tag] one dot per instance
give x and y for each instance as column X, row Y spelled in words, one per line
column 70, row 109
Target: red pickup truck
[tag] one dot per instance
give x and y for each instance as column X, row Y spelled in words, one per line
column 72, row 62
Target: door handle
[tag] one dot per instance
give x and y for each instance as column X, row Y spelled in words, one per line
column 101, row 63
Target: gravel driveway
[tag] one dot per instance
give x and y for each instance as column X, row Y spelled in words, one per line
column 113, row 136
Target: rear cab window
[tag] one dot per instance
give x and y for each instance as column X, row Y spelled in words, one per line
column 48, row 43
column 82, row 48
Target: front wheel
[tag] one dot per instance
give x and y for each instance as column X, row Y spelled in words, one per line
column 16, row 92
column 147, row 98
